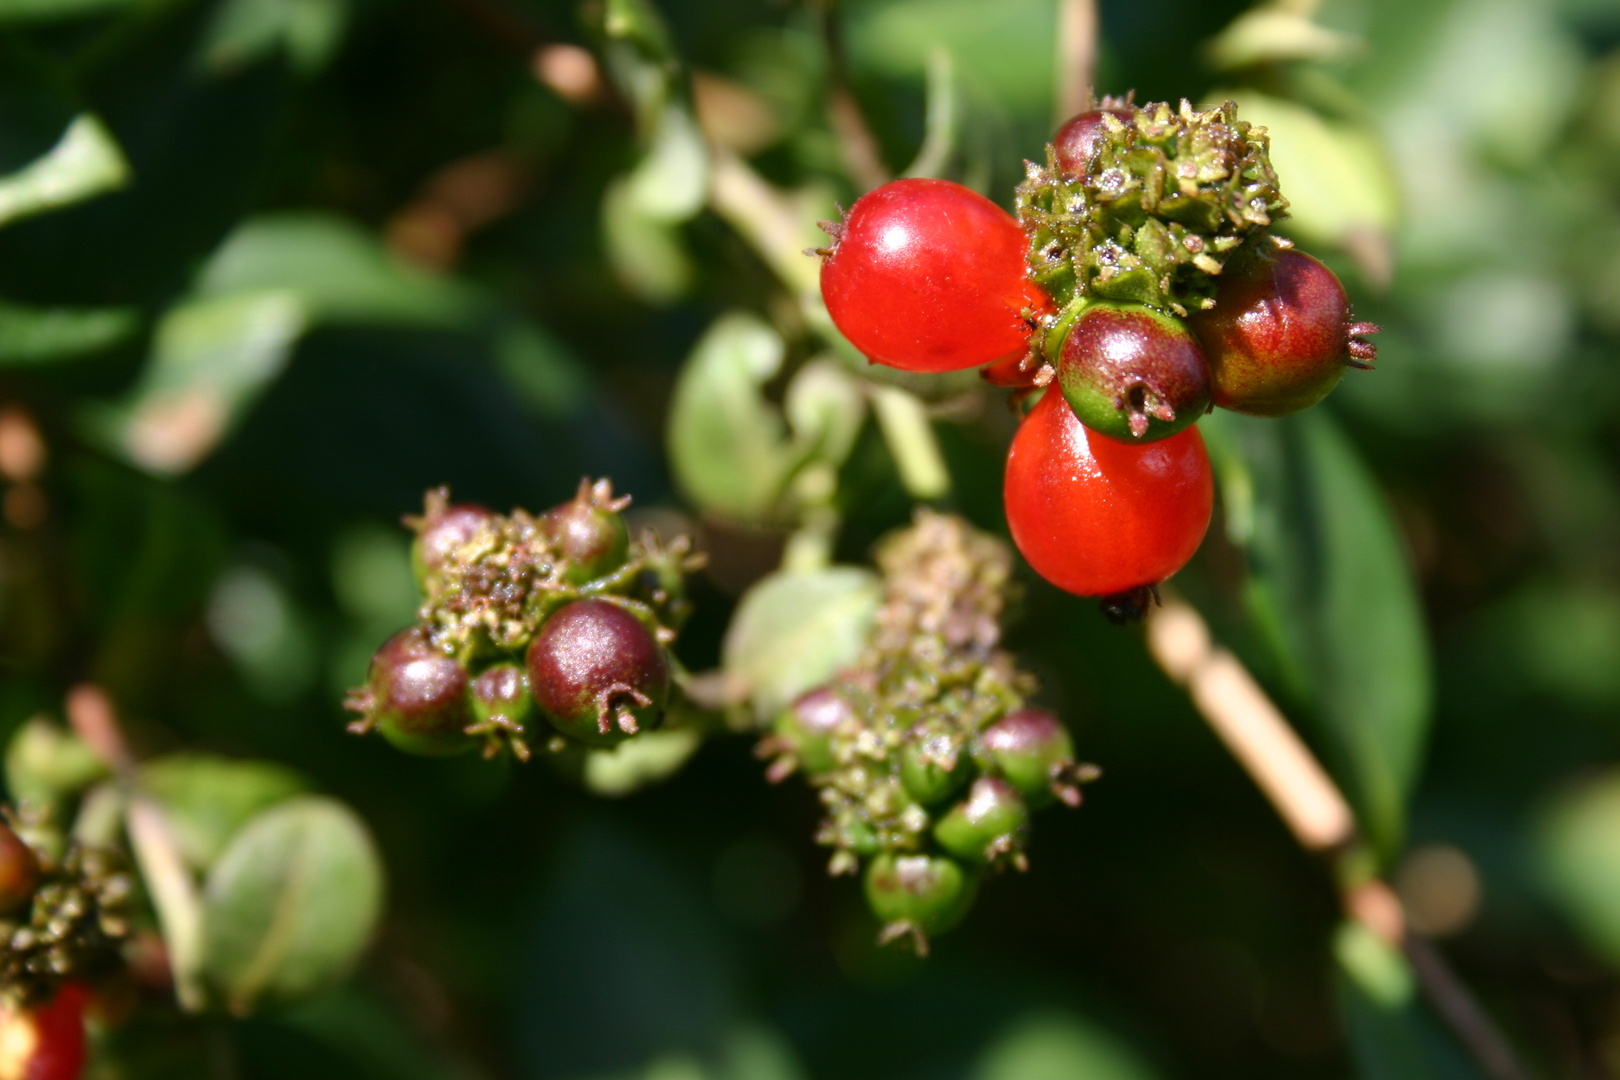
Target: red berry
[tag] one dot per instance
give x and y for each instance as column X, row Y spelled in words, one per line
column 416, row 696
column 1098, row 517
column 597, row 673
column 927, row 275
column 19, row 871
column 1076, row 140
column 1280, row 337
column 1133, row 373
column 46, row 1043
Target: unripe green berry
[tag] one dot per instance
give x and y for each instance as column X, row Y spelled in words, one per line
column 932, row 766
column 988, row 824
column 806, row 728
column 416, row 696
column 597, row 674
column 918, row 894
column 1133, row 373
column 1034, row 752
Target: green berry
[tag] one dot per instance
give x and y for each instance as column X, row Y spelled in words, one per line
column 986, row 825
column 416, row 696
column 807, row 727
column 918, row 894
column 597, row 674
column 1033, row 751
column 932, row 766
column 1133, row 373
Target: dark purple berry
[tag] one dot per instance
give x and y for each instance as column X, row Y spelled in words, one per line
column 987, row 825
column 1076, row 141
column 19, row 871
column 502, row 705
column 597, row 673
column 1133, row 373
column 805, row 729
column 1279, row 337
column 918, row 895
column 416, row 696
column 1035, row 754
column 589, row 533
column 441, row 531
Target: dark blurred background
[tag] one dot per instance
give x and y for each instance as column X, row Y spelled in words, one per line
column 366, row 247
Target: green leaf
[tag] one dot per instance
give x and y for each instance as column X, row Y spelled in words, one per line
column 671, row 182
column 33, row 335
column 647, row 252
column 1006, row 47
column 1331, row 591
column 1055, row 1045
column 1578, row 855
column 45, row 763
column 207, row 798
column 793, row 631
column 84, row 163
column 825, row 406
column 541, row 369
column 245, row 31
column 727, row 445
column 291, row 903
column 1391, row 1035
column 1272, row 34
column 646, row 759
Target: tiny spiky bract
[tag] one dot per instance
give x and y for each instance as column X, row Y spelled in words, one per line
column 1166, row 196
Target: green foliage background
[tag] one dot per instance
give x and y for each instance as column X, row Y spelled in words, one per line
column 217, row 311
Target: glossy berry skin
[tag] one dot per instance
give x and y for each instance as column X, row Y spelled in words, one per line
column 593, row 541
column 597, row 674
column 19, row 871
column 807, row 726
column 46, row 1043
column 500, row 695
column 928, row 893
column 1279, row 337
column 417, row 696
column 989, row 822
column 441, row 531
column 1076, row 140
column 1097, row 517
column 927, row 275
column 1133, row 373
column 1032, row 749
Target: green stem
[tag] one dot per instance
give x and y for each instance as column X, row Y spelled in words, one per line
column 910, row 437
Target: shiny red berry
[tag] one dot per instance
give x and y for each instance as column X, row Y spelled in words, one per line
column 45, row 1043
column 927, row 275
column 597, row 674
column 1279, row 336
column 416, row 696
column 1133, row 373
column 1098, row 517
column 1076, row 141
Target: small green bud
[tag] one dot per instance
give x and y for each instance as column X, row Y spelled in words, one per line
column 918, row 895
column 987, row 825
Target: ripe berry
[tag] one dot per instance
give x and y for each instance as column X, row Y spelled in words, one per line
column 1076, row 141
column 1035, row 755
column 597, row 673
column 441, row 530
column 589, row 533
column 501, row 706
column 1098, row 517
column 805, row 729
column 986, row 825
column 927, row 275
column 46, row 1043
column 1279, row 336
column 918, row 894
column 1133, row 373
column 19, row 871
column 416, row 696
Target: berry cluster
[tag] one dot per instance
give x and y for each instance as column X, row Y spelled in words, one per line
column 553, row 626
column 1141, row 278
column 924, row 753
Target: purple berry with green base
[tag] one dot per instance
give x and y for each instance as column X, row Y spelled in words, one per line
column 597, row 674
column 441, row 531
column 1033, row 751
column 1133, row 373
column 416, row 696
column 1075, row 143
column 589, row 532
column 804, row 733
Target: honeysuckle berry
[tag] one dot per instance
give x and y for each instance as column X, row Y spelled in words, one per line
column 46, row 1042
column 1075, row 143
column 441, row 530
column 1280, row 336
column 19, row 871
column 804, row 732
column 501, row 708
column 1097, row 517
column 597, row 673
column 927, row 275
column 987, row 825
column 416, row 696
column 1133, row 373
column 589, row 532
column 1035, row 754
column 918, row 896
column 932, row 765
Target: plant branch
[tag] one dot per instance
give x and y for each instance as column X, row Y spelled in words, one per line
column 1256, row 733
column 1076, row 57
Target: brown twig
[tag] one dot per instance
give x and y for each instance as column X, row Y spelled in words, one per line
column 1256, row 733
column 1076, row 57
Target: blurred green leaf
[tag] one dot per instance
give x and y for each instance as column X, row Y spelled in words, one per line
column 36, row 335
column 52, row 10
column 1272, row 33
column 540, row 368
column 1577, row 853
column 1392, row 1036
column 1331, row 592
column 671, row 182
column 825, row 407
column 1053, row 1045
column 245, row 31
column 727, row 445
column 793, row 631
column 206, row 798
column 290, row 903
column 646, row 759
column 46, row 763
column 387, row 1045
column 647, row 252
column 84, row 163
column 1006, row 47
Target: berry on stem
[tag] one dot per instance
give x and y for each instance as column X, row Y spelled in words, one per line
column 589, row 532
column 597, row 674
column 1098, row 517
column 441, row 530
column 804, row 733
column 501, row 706
column 45, row 1043
column 1132, row 373
column 1280, row 336
column 1075, row 143
column 927, row 275
column 416, row 696
column 932, row 765
column 1035, row 754
column 988, row 825
column 918, row 895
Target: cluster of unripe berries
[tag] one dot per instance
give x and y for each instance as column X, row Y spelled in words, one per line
column 549, row 629
column 1141, row 278
column 927, row 759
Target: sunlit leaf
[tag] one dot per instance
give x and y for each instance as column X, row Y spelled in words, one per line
column 646, row 759
column 244, row 31
column 205, row 798
column 647, row 252
column 84, row 163
column 793, row 631
column 1005, row 46
column 1051, row 1045
column 1578, row 852
column 31, row 335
